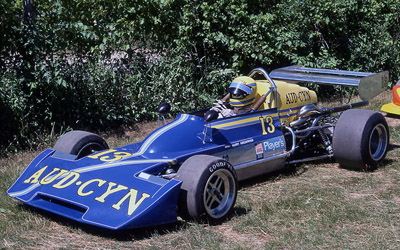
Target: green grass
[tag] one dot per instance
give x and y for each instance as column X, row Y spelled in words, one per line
column 312, row 206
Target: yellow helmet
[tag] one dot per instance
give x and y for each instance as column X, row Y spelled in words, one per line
column 243, row 91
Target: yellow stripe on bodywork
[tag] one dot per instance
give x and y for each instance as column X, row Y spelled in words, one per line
column 241, row 122
column 96, row 167
column 122, row 163
column 289, row 113
column 141, row 151
column 160, row 132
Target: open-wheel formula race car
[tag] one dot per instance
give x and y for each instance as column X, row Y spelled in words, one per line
column 192, row 165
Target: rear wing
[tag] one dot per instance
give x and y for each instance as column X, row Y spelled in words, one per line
column 369, row 84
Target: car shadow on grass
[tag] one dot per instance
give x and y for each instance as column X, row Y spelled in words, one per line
column 289, row 171
column 393, row 147
column 120, row 235
column 286, row 172
column 130, row 234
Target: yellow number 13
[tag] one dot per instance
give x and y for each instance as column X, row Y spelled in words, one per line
column 110, row 155
column 269, row 128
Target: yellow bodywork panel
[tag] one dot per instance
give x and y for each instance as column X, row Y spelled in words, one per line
column 291, row 97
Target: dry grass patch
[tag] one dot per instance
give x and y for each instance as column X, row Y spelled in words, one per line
column 309, row 206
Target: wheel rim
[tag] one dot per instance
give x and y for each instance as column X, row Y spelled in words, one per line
column 90, row 148
column 378, row 141
column 219, row 194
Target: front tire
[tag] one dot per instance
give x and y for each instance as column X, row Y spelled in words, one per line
column 361, row 139
column 80, row 143
column 209, row 188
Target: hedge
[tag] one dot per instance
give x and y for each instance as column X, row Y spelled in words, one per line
column 99, row 65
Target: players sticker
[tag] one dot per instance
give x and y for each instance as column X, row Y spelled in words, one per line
column 274, row 144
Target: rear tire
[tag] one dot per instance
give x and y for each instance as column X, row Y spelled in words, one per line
column 209, row 188
column 80, row 143
column 360, row 139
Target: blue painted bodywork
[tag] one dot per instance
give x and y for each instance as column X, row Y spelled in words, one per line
column 122, row 188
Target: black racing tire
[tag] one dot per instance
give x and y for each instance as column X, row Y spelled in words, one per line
column 360, row 139
column 80, row 143
column 209, row 188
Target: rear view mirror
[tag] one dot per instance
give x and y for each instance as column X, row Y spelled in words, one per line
column 210, row 115
column 164, row 108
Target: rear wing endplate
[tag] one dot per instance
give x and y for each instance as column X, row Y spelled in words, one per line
column 369, row 84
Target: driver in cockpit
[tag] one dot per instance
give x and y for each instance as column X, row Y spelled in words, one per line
column 239, row 100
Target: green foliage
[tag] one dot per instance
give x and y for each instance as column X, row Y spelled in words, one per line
column 311, row 206
column 97, row 65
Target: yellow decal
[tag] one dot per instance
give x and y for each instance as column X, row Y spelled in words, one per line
column 117, row 156
column 95, row 156
column 71, row 177
column 270, row 125
column 35, row 176
column 133, row 205
column 84, row 185
column 112, row 156
column 49, row 178
column 110, row 190
column 62, row 184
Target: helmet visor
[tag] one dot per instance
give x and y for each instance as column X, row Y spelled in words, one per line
column 237, row 94
column 239, row 90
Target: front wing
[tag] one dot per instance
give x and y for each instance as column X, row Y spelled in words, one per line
column 110, row 196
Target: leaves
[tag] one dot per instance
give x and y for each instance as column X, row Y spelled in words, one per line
column 93, row 64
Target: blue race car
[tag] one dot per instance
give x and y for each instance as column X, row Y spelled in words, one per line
column 191, row 166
